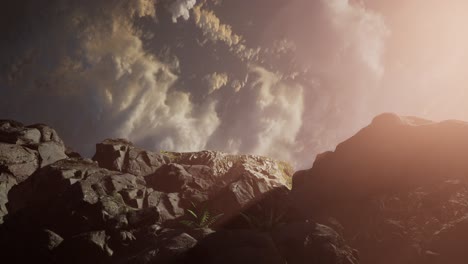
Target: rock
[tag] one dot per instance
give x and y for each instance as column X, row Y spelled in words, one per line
column 307, row 242
column 121, row 155
column 392, row 186
column 224, row 183
column 173, row 248
column 170, row 247
column 51, row 152
column 240, row 246
column 37, row 137
column 24, row 149
column 7, row 181
column 117, row 209
column 13, row 132
column 48, row 134
column 49, row 239
column 143, row 217
column 85, row 248
column 449, row 243
column 167, row 204
column 84, row 194
column 17, row 160
column 391, row 154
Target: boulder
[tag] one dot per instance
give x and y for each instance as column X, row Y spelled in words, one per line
column 169, row 246
column 392, row 154
column 239, row 246
column 121, row 155
column 85, row 248
column 17, row 160
column 448, row 244
column 38, row 137
column 167, row 204
column 14, row 132
column 308, row 242
column 81, row 192
column 221, row 182
column 392, row 186
column 24, row 149
column 7, row 181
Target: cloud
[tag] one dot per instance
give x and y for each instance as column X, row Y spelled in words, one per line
column 215, row 81
column 264, row 117
column 181, row 8
column 88, row 74
column 86, row 69
column 361, row 31
column 216, row 31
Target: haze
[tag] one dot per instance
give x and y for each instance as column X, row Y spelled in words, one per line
column 286, row 79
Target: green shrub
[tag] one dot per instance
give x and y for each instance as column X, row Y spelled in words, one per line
column 200, row 218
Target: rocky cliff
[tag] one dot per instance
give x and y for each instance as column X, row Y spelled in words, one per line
column 399, row 189
column 129, row 205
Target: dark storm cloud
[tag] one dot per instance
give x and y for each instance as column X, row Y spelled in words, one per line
column 81, row 67
column 97, row 69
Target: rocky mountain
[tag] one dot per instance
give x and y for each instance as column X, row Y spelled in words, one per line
column 398, row 188
column 130, row 205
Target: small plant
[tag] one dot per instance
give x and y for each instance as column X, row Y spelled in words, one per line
column 287, row 172
column 200, row 218
column 266, row 220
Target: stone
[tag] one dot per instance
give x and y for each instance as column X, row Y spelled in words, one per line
column 239, row 246
column 121, row 155
column 7, row 181
column 308, row 242
column 85, row 248
column 51, row 152
column 20, row 161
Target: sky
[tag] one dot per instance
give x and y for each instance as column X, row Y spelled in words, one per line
column 285, row 79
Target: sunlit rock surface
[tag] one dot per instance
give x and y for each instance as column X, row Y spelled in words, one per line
column 398, row 187
column 128, row 205
column 24, row 149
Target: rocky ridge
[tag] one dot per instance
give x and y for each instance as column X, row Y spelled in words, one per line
column 399, row 188
column 128, row 205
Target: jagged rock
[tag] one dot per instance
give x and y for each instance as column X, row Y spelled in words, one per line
column 121, row 155
column 449, row 243
column 391, row 154
column 39, row 137
column 95, row 208
column 50, row 152
column 83, row 194
column 143, row 217
column 24, row 149
column 7, row 181
column 14, row 132
column 49, row 239
column 225, row 183
column 221, row 180
column 85, row 248
column 392, row 186
column 169, row 246
column 20, row 161
column 167, row 204
column 239, row 246
column 307, row 242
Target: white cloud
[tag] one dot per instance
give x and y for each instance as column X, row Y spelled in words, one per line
column 264, row 117
column 181, row 8
column 215, row 81
column 105, row 84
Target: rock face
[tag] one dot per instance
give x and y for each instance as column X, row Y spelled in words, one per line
column 225, row 183
column 129, row 205
column 294, row 243
column 121, row 155
column 24, row 149
column 398, row 185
